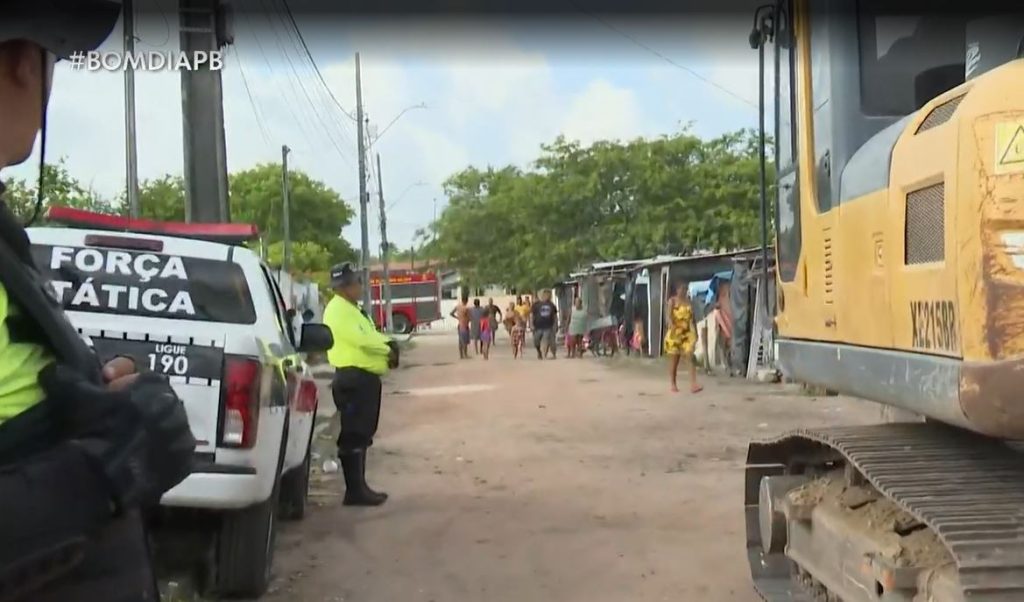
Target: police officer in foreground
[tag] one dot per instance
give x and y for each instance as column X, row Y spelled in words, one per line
column 83, row 447
column 360, row 356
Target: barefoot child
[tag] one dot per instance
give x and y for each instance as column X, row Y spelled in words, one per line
column 509, row 319
column 486, row 333
column 518, row 335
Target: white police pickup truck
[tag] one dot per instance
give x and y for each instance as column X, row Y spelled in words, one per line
column 209, row 315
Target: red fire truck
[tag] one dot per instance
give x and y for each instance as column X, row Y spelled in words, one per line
column 415, row 299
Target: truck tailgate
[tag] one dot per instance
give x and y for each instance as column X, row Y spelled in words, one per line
column 193, row 366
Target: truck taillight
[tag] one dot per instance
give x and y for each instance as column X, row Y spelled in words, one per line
column 241, row 396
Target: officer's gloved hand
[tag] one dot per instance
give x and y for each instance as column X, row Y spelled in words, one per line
column 137, row 437
column 393, row 356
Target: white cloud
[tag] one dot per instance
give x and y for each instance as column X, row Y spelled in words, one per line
column 602, row 112
column 493, row 98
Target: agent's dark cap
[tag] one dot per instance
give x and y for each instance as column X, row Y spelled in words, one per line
column 344, row 274
column 62, row 27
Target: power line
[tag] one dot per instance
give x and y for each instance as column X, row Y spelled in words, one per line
column 288, row 105
column 305, row 92
column 252, row 101
column 295, row 25
column 295, row 37
column 323, row 122
column 668, row 60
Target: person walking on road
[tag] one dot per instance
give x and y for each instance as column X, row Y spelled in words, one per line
column 486, row 334
column 85, row 447
column 545, row 323
column 360, row 356
column 518, row 336
column 494, row 314
column 510, row 318
column 523, row 310
column 476, row 314
column 577, row 328
column 681, row 337
column 461, row 313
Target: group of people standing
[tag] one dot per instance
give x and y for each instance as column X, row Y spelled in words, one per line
column 478, row 325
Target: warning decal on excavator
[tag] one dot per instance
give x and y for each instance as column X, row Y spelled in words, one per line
column 1009, row 147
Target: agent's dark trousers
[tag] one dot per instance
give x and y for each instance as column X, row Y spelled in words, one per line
column 357, row 396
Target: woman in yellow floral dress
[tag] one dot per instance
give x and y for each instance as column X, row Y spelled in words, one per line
column 681, row 337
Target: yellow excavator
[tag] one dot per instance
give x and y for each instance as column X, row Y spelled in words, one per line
column 899, row 278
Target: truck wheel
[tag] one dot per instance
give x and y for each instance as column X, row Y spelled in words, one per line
column 245, row 550
column 402, row 323
column 245, row 546
column 295, row 487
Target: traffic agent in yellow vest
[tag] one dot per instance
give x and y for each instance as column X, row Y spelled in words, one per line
column 357, row 343
column 360, row 356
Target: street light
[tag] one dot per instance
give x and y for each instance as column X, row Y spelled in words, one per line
column 374, row 139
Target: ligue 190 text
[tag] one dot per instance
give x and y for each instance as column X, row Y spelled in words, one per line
column 147, row 61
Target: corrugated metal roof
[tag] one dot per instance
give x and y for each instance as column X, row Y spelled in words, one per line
column 621, row 263
column 663, row 259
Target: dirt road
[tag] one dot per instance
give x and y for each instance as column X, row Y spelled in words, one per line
column 566, row 480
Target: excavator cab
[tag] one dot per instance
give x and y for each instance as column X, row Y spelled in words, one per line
column 888, row 197
column 868, row 65
column 896, row 131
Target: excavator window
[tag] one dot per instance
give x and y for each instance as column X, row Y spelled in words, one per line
column 823, row 107
column 906, row 58
column 785, row 108
column 787, row 204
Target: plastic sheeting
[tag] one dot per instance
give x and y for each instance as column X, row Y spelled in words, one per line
column 715, row 283
column 741, row 294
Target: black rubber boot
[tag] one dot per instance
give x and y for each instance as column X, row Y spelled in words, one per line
column 357, row 492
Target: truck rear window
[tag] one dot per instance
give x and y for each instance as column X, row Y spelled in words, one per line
column 156, row 285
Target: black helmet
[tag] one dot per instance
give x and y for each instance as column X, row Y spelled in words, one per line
column 61, row 27
column 344, row 274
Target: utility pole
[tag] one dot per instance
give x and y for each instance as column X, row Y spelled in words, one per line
column 286, row 255
column 131, row 149
column 433, row 231
column 364, row 228
column 205, row 26
column 385, row 252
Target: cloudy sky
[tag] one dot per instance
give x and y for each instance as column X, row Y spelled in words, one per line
column 494, row 91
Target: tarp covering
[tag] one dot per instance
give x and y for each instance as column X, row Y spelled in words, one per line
column 714, row 284
column 602, row 298
column 741, row 293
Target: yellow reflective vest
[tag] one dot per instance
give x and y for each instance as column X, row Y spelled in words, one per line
column 20, row 364
column 357, row 343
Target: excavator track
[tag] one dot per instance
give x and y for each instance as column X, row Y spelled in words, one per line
column 968, row 489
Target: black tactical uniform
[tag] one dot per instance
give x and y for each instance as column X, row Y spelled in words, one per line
column 77, row 464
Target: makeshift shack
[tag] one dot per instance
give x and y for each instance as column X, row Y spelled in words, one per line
column 602, row 286
column 747, row 273
column 712, row 312
column 651, row 285
column 563, row 294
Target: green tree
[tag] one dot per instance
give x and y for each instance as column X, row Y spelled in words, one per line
column 306, row 257
column 60, row 189
column 161, row 199
column 608, row 200
column 318, row 213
